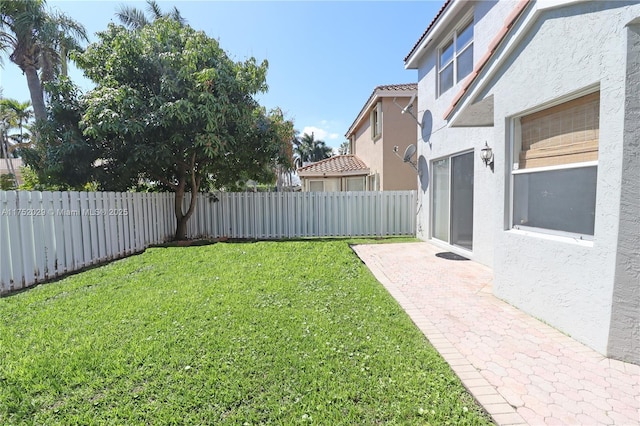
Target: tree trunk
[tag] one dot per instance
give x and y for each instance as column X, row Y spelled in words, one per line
column 181, row 227
column 35, row 90
column 183, row 218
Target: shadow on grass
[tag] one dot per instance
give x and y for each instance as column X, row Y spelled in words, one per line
column 350, row 240
column 208, row 241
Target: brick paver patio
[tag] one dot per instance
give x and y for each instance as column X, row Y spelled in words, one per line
column 521, row 370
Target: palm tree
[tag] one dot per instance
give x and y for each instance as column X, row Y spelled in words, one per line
column 20, row 113
column 65, row 36
column 39, row 42
column 308, row 149
column 135, row 19
column 299, row 153
column 344, row 148
column 313, row 149
column 8, row 120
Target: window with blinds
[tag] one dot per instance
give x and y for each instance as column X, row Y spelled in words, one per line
column 555, row 175
column 563, row 134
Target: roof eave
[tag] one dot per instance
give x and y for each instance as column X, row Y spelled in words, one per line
column 377, row 94
column 363, row 172
column 517, row 24
column 413, row 60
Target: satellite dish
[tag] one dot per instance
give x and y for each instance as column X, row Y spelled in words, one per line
column 408, row 153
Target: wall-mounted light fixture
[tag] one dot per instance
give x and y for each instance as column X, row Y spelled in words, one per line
column 486, row 154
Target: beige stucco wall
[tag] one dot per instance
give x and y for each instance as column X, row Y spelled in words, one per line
column 366, row 149
column 397, row 129
column 16, row 163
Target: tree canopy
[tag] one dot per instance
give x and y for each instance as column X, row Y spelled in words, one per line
column 170, row 106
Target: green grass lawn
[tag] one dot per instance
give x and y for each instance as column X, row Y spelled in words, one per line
column 232, row 333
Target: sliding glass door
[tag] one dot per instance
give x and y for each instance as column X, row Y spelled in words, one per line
column 452, row 200
column 440, row 204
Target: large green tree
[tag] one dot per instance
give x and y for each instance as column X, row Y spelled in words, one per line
column 38, row 41
column 63, row 157
column 170, row 106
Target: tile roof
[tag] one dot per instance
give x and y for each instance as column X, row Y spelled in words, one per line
column 388, row 88
column 403, row 86
column 424, row 34
column 335, row 166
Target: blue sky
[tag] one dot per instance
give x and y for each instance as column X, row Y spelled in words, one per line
column 325, row 57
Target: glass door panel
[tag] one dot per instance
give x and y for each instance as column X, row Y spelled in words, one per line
column 462, row 200
column 440, row 189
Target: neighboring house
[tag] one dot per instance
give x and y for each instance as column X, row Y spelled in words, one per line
column 381, row 125
column 551, row 87
column 338, row 173
column 10, row 166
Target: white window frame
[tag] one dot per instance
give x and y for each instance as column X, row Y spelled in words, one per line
column 373, row 182
column 453, row 40
column 515, row 147
column 375, row 120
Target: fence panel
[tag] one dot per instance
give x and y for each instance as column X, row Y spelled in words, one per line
column 47, row 234
column 302, row 214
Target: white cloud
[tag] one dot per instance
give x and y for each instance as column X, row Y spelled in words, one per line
column 318, row 133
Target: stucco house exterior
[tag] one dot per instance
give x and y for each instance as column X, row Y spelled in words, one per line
column 551, row 91
column 378, row 128
column 337, row 173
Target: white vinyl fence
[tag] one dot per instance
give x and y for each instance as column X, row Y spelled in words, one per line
column 47, row 234
column 276, row 215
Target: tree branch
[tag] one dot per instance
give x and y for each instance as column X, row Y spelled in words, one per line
column 166, row 182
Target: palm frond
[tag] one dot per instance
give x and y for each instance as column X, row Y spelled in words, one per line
column 70, row 27
column 154, row 9
column 176, row 16
column 131, row 17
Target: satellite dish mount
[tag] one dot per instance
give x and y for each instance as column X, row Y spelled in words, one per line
column 408, row 109
column 408, row 154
